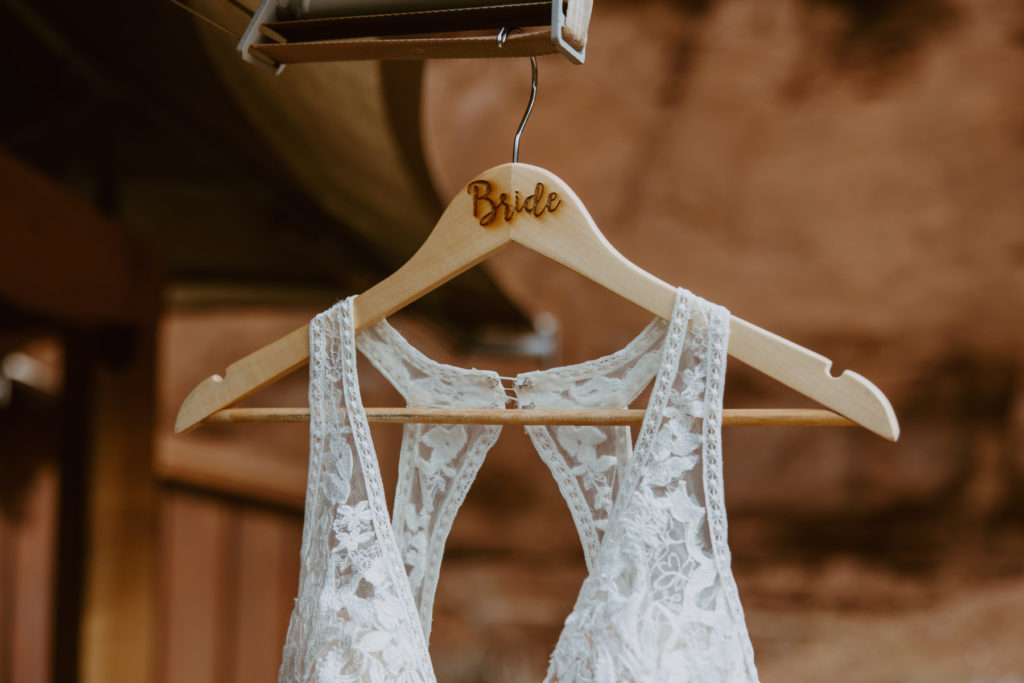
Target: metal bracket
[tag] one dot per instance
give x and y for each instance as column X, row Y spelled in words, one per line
column 295, row 14
column 267, row 11
column 557, row 22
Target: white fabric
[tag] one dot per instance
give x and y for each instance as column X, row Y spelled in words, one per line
column 659, row 602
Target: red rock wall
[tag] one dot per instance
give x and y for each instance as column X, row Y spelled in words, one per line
column 849, row 175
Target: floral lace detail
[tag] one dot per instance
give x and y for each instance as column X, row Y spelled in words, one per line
column 660, row 602
column 588, row 461
column 438, row 463
column 354, row 618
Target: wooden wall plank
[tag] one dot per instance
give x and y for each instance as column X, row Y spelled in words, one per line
column 118, row 618
column 32, row 570
column 102, row 292
column 288, row 588
column 6, row 591
column 229, row 576
column 262, row 593
column 195, row 533
column 100, row 273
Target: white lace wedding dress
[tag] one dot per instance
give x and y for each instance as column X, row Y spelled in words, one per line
column 659, row 602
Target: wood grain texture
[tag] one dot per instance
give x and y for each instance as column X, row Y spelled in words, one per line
column 413, row 22
column 48, row 247
column 118, row 622
column 283, row 483
column 34, row 568
column 194, row 539
column 476, row 225
column 267, row 548
column 229, row 576
column 731, row 417
column 519, row 45
column 6, row 598
column 27, row 563
column 232, row 473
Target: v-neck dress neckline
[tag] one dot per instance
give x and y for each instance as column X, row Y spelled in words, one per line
column 387, row 640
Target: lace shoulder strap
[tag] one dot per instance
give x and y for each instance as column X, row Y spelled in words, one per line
column 438, row 463
column 354, row 618
column 661, row 603
column 587, row 461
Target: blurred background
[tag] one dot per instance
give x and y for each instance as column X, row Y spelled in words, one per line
column 849, row 175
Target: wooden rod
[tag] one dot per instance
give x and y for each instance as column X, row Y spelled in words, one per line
column 732, row 417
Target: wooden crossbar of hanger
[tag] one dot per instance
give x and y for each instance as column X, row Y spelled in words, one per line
column 463, row 238
column 731, row 417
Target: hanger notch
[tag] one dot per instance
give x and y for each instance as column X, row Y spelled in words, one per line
column 567, row 234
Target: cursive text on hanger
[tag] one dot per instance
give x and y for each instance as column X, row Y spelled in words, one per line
column 488, row 209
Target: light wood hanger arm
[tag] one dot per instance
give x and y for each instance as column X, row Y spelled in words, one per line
column 731, row 417
column 559, row 227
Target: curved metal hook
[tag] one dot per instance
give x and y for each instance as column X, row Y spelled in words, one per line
column 503, row 35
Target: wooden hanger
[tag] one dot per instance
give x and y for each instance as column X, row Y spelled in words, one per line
column 519, row 203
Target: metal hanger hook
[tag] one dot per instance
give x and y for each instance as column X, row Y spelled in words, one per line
column 503, row 35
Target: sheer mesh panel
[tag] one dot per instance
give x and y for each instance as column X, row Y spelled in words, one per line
column 587, row 461
column 354, row 618
column 659, row 602
column 438, row 463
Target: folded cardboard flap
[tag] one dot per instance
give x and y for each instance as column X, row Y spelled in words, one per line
column 328, row 30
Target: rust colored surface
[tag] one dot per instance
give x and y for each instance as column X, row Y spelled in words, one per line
column 848, row 175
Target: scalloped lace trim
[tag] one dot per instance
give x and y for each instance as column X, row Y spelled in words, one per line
column 659, row 603
column 437, row 463
column 587, row 461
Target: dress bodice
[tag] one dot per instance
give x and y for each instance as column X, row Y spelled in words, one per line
column 659, row 602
